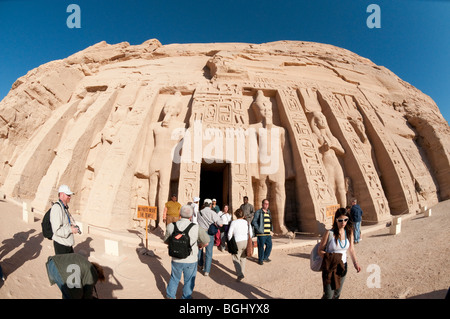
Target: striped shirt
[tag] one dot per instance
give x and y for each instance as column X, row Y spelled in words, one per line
column 267, row 225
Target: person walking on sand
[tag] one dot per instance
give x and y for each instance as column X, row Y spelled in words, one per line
column 356, row 216
column 262, row 223
column 334, row 253
column 185, row 266
column 240, row 229
column 207, row 217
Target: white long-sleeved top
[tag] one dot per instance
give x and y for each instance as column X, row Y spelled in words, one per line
column 226, row 218
column 240, row 229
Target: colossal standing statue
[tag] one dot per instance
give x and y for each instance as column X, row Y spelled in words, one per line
column 159, row 146
column 270, row 145
column 330, row 147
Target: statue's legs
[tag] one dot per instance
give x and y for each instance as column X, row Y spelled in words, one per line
column 337, row 182
column 279, row 204
column 260, row 191
column 163, row 196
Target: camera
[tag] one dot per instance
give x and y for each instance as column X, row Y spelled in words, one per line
column 78, row 228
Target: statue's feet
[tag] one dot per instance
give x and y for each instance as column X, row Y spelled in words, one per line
column 282, row 230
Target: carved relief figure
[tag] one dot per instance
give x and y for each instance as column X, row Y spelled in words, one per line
column 269, row 133
column 330, row 147
column 158, row 148
column 82, row 107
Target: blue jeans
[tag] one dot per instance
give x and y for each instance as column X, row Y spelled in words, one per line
column 54, row 275
column 357, row 231
column 264, row 252
column 189, row 271
column 208, row 257
column 329, row 293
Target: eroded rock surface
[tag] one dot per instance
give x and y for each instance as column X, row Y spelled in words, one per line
column 306, row 125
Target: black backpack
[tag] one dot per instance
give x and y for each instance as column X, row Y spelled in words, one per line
column 179, row 242
column 46, row 225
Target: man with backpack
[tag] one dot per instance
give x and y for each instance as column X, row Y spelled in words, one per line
column 209, row 221
column 183, row 238
column 63, row 226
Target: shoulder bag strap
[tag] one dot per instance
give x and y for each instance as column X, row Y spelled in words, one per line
column 62, row 211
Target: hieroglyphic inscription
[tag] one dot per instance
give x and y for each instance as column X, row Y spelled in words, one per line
column 241, row 184
column 189, row 182
column 219, row 106
column 341, row 106
column 403, row 178
column 308, row 151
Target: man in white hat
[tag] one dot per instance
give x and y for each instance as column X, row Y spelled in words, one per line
column 63, row 225
column 206, row 218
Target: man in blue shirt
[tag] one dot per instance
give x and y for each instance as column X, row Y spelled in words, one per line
column 356, row 215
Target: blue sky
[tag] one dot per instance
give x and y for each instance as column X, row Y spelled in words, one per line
column 413, row 41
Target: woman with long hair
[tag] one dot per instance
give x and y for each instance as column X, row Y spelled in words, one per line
column 334, row 250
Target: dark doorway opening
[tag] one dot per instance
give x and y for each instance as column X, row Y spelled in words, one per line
column 214, row 182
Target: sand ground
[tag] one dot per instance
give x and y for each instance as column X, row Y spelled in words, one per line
column 411, row 264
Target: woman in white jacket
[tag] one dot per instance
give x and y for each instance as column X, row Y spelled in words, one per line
column 240, row 229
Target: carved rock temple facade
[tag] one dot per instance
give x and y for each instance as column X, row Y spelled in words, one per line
column 305, row 125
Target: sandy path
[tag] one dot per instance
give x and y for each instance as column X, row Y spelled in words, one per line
column 412, row 264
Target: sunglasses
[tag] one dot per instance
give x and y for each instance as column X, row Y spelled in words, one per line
column 342, row 220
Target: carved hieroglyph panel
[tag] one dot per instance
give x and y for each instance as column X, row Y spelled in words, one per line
column 220, row 107
column 399, row 188
column 241, row 184
column 362, row 173
column 312, row 185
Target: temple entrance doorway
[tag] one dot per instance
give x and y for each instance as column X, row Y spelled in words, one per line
column 214, row 182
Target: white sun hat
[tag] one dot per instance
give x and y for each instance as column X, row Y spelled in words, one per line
column 65, row 189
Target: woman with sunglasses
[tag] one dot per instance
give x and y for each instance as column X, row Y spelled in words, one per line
column 341, row 242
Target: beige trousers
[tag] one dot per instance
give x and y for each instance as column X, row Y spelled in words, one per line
column 240, row 258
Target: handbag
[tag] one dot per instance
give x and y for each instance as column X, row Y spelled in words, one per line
column 217, row 239
column 315, row 260
column 232, row 246
column 212, row 230
column 250, row 245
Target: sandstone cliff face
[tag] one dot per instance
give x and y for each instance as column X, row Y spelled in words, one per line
column 332, row 125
